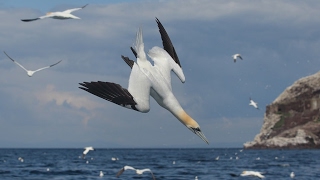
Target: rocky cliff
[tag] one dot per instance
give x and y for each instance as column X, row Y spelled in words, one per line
column 293, row 118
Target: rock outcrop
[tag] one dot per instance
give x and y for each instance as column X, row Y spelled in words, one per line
column 292, row 120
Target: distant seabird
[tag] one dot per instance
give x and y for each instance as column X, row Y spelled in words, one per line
column 292, row 174
column 148, row 80
column 252, row 173
column 101, row 174
column 86, row 150
column 114, row 159
column 58, row 15
column 138, row 171
column 254, row 104
column 20, row 159
column 235, row 56
column 29, row 72
column 217, row 158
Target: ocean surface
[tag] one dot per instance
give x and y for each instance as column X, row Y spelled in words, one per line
column 173, row 164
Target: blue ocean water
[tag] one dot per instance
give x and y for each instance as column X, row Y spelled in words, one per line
column 171, row 164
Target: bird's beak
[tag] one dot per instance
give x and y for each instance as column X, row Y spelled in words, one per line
column 198, row 132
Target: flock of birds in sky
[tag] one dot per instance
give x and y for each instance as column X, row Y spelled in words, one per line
column 146, row 79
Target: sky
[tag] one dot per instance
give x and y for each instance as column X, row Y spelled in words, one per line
column 279, row 42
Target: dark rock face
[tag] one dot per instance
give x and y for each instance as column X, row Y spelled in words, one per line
column 293, row 118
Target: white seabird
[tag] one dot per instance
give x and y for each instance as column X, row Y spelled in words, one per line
column 58, row 15
column 138, row 171
column 101, row 174
column 29, row 72
column 292, row 175
column 86, row 150
column 252, row 173
column 254, row 104
column 235, row 56
column 148, row 80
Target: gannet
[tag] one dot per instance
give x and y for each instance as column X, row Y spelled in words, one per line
column 148, row 80
column 29, row 72
column 138, row 171
column 292, row 174
column 254, row 104
column 252, row 173
column 235, row 56
column 86, row 150
column 58, row 15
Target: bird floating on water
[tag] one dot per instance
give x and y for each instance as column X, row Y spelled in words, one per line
column 20, row 159
column 101, row 174
column 86, row 150
column 138, row 171
column 235, row 56
column 254, row 104
column 30, row 72
column 58, row 15
column 292, row 175
column 148, row 80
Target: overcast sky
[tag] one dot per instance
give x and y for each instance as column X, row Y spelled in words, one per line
column 278, row 40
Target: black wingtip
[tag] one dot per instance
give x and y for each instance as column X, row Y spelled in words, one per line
column 134, row 52
column 166, row 42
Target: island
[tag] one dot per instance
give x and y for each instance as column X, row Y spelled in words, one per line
column 292, row 120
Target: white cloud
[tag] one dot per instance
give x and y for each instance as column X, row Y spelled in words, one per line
column 50, row 94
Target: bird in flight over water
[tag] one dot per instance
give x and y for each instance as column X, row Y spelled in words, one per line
column 148, row 80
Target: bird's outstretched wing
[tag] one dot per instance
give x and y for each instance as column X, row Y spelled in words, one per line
column 167, row 44
column 128, row 61
column 120, row 172
column 28, row 20
column 38, row 18
column 48, row 66
column 111, row 92
column 15, row 61
column 74, row 9
column 143, row 170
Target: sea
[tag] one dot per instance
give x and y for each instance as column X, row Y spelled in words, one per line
column 166, row 164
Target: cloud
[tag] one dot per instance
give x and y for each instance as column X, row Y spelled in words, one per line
column 50, row 94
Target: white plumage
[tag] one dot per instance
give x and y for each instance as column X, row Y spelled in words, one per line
column 58, row 15
column 30, row 72
column 235, row 56
column 148, row 80
column 86, row 150
column 138, row 171
column 252, row 173
column 254, row 104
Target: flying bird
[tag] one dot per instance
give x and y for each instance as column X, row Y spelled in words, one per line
column 252, row 173
column 148, row 80
column 138, row 171
column 29, row 72
column 254, row 104
column 235, row 56
column 86, row 150
column 58, row 15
